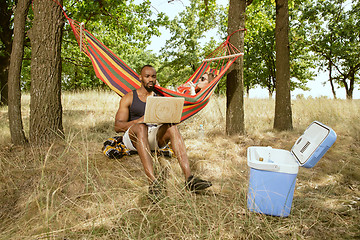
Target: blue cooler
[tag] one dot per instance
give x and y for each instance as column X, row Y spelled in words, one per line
column 273, row 171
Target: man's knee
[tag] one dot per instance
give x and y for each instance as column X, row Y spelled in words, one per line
column 173, row 129
column 164, row 134
column 138, row 131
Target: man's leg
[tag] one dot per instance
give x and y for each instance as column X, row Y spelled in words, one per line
column 171, row 133
column 139, row 137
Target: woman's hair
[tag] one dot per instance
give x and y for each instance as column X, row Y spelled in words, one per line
column 211, row 76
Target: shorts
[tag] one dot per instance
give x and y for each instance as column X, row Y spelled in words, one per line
column 152, row 132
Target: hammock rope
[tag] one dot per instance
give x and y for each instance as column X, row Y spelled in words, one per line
column 122, row 79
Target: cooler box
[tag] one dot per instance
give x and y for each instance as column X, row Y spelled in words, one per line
column 273, row 171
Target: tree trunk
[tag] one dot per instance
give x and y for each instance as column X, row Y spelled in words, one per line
column 283, row 114
column 17, row 53
column 6, row 38
column 349, row 92
column 45, row 104
column 235, row 82
column 4, row 70
column 331, row 80
column 270, row 94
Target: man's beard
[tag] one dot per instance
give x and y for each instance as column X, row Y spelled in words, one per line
column 149, row 88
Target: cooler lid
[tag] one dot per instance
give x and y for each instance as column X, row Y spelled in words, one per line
column 306, row 145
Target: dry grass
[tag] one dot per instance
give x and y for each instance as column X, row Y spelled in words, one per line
column 70, row 190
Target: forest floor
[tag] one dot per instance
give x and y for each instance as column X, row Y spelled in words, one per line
column 71, row 190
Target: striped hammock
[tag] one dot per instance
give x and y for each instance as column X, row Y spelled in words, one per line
column 121, row 78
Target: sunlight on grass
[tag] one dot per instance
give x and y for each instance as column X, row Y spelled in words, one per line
column 70, row 190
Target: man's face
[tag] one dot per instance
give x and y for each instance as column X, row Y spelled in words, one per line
column 148, row 78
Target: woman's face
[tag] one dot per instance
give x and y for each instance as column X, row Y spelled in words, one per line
column 204, row 81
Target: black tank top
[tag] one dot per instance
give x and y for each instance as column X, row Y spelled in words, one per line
column 137, row 108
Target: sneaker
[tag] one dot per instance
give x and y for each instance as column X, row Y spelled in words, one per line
column 197, row 184
column 156, row 191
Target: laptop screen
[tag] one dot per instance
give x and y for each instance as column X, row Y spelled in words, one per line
column 163, row 109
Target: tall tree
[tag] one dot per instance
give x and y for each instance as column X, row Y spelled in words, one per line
column 259, row 58
column 235, row 77
column 45, row 105
column 6, row 33
column 183, row 52
column 338, row 43
column 333, row 34
column 15, row 121
column 125, row 27
column 283, row 113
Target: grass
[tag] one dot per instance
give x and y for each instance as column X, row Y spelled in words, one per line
column 70, row 190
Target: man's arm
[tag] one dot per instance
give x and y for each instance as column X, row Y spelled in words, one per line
column 122, row 116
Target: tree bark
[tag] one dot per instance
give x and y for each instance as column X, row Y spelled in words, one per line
column 235, row 77
column 349, row 92
column 17, row 53
column 331, row 80
column 6, row 33
column 283, row 114
column 45, row 104
column 4, row 88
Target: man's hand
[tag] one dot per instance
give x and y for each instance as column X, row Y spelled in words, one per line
column 122, row 115
column 139, row 120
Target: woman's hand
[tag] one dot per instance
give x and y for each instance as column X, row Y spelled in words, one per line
column 192, row 88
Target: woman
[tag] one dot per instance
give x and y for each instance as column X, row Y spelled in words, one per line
column 204, row 81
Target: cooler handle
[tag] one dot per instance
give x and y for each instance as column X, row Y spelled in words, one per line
column 264, row 166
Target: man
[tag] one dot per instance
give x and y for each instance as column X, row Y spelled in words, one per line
column 143, row 138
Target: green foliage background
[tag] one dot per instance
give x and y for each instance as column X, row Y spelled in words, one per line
column 323, row 35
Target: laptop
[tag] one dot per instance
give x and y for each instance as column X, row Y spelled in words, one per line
column 163, row 109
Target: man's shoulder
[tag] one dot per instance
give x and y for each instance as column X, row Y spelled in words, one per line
column 127, row 98
column 128, row 95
